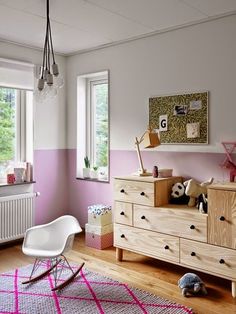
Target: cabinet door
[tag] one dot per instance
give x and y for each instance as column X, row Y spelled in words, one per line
column 222, row 218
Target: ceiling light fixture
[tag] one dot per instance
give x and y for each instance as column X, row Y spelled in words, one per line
column 49, row 68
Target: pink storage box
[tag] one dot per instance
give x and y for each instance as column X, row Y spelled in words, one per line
column 99, row 237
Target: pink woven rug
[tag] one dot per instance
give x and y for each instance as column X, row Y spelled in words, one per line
column 90, row 293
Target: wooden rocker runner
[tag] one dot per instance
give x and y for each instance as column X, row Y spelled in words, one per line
column 47, row 244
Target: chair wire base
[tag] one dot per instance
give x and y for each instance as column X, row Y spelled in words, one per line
column 56, row 266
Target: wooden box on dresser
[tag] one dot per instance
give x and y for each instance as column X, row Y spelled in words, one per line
column 145, row 223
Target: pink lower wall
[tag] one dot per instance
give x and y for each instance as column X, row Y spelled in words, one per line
column 51, row 176
column 200, row 166
column 62, row 193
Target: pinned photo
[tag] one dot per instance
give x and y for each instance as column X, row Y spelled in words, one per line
column 180, row 110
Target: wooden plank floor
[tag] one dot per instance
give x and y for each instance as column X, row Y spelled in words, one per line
column 146, row 273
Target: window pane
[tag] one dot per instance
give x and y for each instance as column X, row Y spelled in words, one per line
column 7, row 127
column 101, row 125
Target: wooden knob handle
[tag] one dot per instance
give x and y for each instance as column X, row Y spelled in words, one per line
column 143, row 217
column 122, row 191
column 122, row 236
column 193, row 254
column 192, row 227
column 166, row 247
column 221, row 261
column 122, row 213
column 222, row 218
column 142, row 193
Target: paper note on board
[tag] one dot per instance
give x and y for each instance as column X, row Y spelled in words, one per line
column 163, row 122
column 195, row 105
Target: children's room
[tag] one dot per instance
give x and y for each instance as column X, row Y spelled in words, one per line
column 117, row 156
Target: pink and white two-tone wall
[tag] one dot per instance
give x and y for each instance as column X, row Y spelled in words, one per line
column 194, row 58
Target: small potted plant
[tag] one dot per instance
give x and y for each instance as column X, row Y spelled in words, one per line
column 94, row 172
column 86, row 170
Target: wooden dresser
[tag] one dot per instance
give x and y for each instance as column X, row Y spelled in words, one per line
column 145, row 223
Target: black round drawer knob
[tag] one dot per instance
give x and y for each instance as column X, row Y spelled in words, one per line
column 122, row 236
column 122, row 191
column 221, row 261
column 222, row 218
column 193, row 254
column 122, row 213
column 142, row 193
column 166, row 247
column 192, row 227
column 143, row 217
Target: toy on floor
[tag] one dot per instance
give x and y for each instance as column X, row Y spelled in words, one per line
column 194, row 189
column 191, row 284
column 178, row 195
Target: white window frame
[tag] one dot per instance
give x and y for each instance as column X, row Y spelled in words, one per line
column 86, row 119
column 91, row 113
column 24, row 125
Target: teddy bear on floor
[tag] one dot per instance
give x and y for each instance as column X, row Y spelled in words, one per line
column 194, row 189
column 191, row 284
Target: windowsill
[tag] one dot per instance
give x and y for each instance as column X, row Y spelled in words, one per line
column 93, row 180
column 15, row 184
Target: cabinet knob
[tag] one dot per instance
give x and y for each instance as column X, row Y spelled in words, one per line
column 122, row 213
column 166, row 247
column 222, row 218
column 221, row 261
column 122, row 191
column 143, row 217
column 192, row 227
column 122, row 236
column 142, row 193
column 193, row 254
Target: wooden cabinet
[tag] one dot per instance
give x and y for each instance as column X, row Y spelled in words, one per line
column 145, row 223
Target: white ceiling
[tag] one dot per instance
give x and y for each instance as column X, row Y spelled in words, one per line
column 79, row 25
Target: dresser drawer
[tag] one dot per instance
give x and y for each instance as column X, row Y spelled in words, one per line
column 147, row 242
column 134, row 192
column 208, row 258
column 123, row 213
column 177, row 221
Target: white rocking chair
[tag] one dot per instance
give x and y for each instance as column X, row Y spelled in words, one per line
column 47, row 244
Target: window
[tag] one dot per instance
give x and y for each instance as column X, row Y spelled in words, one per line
column 16, row 128
column 93, row 125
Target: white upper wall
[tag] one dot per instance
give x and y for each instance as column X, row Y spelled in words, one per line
column 50, row 121
column 195, row 58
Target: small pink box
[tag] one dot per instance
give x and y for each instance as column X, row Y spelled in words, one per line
column 99, row 238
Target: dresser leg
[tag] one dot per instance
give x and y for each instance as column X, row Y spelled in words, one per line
column 119, row 254
column 234, row 289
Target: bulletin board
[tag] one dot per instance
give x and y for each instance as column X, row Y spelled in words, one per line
column 180, row 119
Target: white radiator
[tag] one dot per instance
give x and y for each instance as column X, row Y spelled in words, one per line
column 16, row 215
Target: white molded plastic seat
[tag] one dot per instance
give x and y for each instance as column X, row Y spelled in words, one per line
column 50, row 242
column 52, row 239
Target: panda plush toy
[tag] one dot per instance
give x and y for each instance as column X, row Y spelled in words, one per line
column 178, row 195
